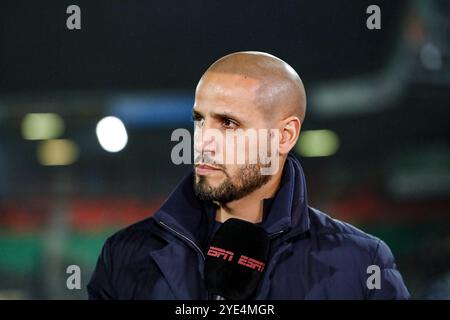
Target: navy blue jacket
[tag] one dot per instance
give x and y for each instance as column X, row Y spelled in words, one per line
column 312, row 256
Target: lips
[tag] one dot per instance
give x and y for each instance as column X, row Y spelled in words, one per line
column 204, row 169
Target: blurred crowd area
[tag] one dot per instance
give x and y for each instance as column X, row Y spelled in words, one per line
column 86, row 121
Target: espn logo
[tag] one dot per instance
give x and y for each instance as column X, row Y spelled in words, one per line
column 218, row 252
column 243, row 260
column 251, row 263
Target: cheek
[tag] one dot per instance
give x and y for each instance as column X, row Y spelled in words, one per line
column 252, row 150
column 240, row 149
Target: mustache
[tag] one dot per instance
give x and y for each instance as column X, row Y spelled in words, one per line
column 205, row 159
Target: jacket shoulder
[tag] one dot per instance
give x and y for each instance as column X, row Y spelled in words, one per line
column 134, row 240
column 347, row 239
column 123, row 253
column 324, row 224
column 349, row 251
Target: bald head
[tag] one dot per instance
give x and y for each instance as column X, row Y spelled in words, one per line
column 277, row 89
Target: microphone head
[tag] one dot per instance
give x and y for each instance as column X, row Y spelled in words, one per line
column 236, row 259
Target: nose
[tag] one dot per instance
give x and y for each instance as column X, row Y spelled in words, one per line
column 203, row 139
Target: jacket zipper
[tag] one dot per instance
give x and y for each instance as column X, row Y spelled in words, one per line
column 275, row 234
column 184, row 238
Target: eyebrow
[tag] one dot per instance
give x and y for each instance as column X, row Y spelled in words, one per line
column 195, row 113
column 218, row 115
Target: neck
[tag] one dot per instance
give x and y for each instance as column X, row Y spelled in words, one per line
column 250, row 207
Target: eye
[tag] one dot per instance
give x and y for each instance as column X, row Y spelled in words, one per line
column 229, row 123
column 197, row 118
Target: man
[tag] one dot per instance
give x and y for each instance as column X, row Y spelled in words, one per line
column 312, row 256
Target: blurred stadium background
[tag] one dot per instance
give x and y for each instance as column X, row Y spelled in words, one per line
column 375, row 145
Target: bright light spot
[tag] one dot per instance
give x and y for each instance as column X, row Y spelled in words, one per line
column 58, row 152
column 317, row 143
column 42, row 126
column 111, row 134
column 431, row 57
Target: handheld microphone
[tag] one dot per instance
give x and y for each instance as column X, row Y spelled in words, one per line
column 236, row 260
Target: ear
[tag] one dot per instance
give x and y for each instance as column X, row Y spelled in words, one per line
column 289, row 133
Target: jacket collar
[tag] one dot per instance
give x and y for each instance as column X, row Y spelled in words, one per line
column 287, row 211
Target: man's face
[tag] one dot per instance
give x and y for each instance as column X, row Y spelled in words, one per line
column 227, row 168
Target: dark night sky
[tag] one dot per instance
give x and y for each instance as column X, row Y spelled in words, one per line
column 127, row 45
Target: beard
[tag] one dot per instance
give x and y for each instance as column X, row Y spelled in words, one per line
column 249, row 179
